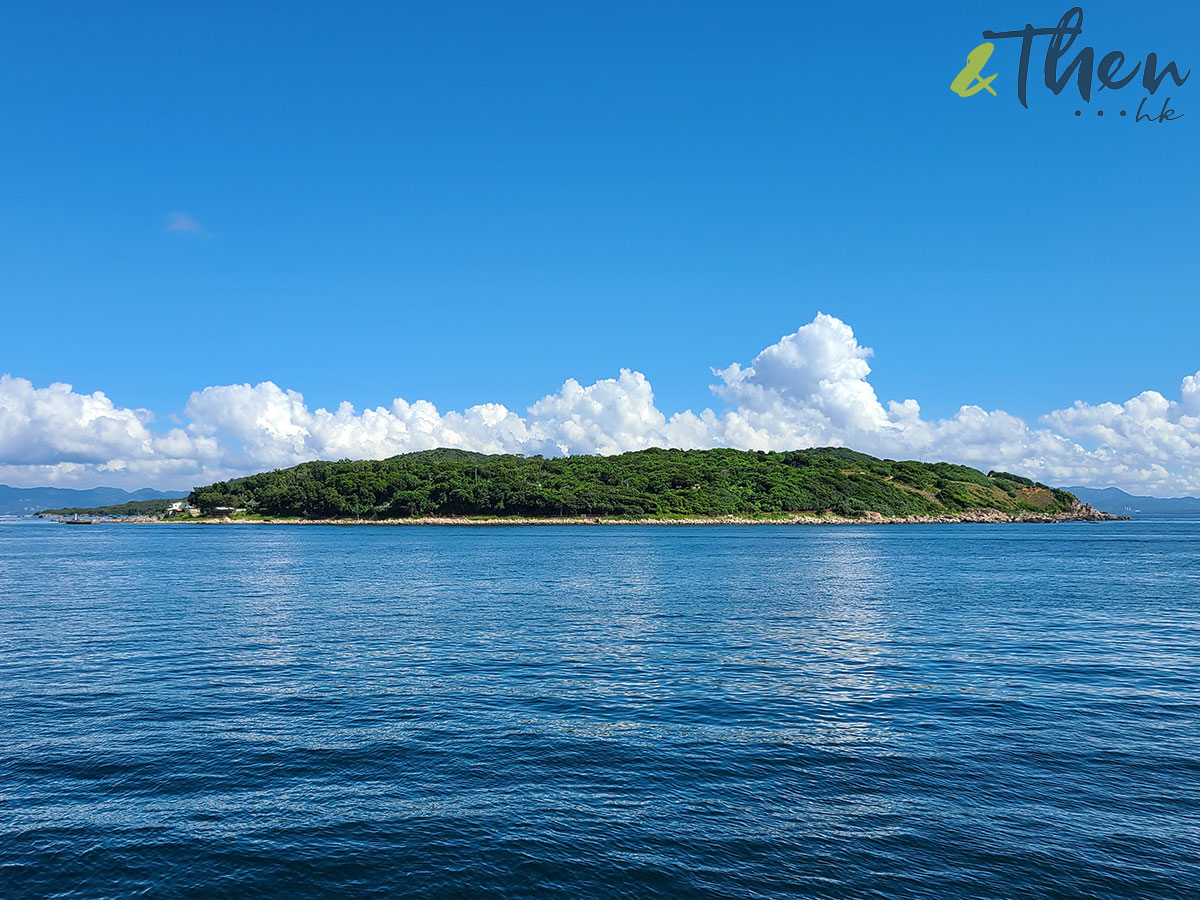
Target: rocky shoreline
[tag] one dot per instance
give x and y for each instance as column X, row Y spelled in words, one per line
column 987, row 516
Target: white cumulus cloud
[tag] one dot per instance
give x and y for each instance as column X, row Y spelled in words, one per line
column 56, row 436
column 811, row 388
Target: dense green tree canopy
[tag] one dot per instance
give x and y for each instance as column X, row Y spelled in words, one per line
column 644, row 483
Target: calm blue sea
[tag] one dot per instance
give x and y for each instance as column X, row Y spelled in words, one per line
column 575, row 712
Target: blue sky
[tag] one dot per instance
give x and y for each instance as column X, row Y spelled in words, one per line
column 472, row 202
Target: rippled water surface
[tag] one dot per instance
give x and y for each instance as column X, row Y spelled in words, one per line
column 918, row 711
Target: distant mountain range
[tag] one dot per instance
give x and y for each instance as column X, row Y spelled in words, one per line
column 1115, row 500
column 23, row 501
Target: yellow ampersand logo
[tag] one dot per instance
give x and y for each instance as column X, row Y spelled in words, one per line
column 968, row 82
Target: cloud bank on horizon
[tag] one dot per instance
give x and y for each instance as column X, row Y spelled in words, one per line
column 809, row 389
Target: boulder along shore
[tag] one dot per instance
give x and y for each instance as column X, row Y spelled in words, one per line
column 1082, row 513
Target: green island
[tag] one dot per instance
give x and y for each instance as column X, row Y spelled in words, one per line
column 130, row 508
column 458, row 486
column 656, row 484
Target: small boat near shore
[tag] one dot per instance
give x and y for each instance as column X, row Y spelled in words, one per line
column 77, row 521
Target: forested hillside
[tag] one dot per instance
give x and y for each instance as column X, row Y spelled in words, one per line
column 131, row 508
column 644, row 483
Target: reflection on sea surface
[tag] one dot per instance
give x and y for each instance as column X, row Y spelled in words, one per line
column 760, row 711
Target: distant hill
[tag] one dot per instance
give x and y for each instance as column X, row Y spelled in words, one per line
column 1115, row 500
column 644, row 483
column 25, row 501
column 152, row 508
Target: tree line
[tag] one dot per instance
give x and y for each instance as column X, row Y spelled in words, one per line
column 654, row 482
